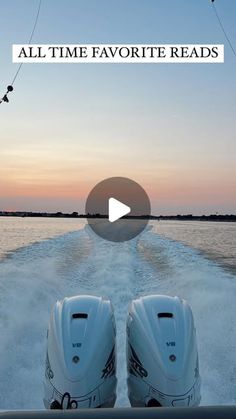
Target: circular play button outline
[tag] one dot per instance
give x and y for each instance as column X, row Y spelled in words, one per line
column 118, row 209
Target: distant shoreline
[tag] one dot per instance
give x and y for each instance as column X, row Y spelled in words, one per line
column 183, row 217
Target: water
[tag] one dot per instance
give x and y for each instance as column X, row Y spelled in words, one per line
column 217, row 240
column 74, row 262
column 16, row 232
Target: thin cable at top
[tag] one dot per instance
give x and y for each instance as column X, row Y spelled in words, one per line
column 30, row 39
column 223, row 29
column 10, row 87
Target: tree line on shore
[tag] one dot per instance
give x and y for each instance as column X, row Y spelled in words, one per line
column 75, row 214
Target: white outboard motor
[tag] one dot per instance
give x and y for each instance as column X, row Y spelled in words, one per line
column 162, row 357
column 81, row 354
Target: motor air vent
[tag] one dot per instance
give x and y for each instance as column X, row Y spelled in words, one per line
column 79, row 316
column 167, row 315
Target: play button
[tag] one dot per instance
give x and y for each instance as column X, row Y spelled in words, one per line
column 117, row 209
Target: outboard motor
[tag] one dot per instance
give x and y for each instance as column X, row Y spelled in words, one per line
column 162, row 357
column 81, row 355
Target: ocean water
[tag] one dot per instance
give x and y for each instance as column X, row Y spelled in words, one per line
column 217, row 240
column 45, row 260
column 17, row 232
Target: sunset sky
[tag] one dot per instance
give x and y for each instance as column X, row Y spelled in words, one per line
column 68, row 126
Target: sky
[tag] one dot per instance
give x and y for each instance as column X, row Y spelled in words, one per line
column 169, row 127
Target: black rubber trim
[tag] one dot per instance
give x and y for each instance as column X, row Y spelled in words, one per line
column 215, row 412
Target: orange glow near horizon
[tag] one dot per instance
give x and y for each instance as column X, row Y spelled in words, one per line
column 169, row 191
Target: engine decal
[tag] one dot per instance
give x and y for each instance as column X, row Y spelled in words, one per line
column 48, row 371
column 110, row 367
column 135, row 365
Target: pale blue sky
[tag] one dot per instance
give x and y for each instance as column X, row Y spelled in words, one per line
column 68, row 126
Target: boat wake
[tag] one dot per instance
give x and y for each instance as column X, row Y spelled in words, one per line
column 34, row 277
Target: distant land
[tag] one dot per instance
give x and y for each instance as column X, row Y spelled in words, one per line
column 179, row 217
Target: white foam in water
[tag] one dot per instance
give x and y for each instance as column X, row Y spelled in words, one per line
column 77, row 263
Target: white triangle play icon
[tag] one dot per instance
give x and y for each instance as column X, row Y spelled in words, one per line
column 117, row 209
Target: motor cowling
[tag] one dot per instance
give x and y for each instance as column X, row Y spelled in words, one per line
column 80, row 369
column 162, row 356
